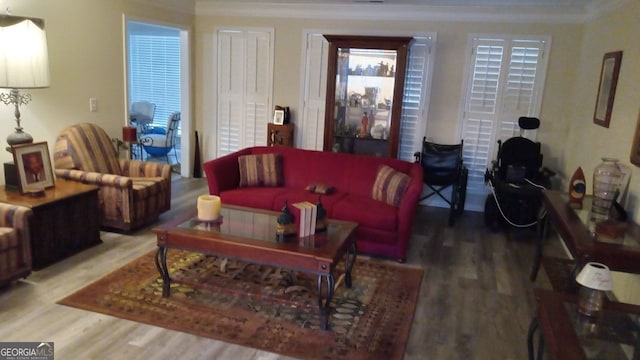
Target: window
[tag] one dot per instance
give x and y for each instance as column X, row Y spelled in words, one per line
column 244, row 72
column 505, row 81
column 154, row 68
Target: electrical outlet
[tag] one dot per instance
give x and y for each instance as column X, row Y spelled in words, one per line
column 93, row 104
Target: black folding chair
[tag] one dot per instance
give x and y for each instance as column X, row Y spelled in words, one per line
column 443, row 168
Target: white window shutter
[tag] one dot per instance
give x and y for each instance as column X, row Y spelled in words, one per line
column 310, row 127
column 415, row 98
column 505, row 80
column 245, row 70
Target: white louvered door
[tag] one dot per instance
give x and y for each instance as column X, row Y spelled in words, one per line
column 245, row 73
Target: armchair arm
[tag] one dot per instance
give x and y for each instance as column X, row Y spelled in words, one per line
column 223, row 173
column 18, row 217
column 140, row 169
column 94, row 178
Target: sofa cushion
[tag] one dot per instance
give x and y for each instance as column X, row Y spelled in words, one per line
column 260, row 170
column 366, row 211
column 144, row 188
column 390, row 185
column 319, row 188
column 255, row 197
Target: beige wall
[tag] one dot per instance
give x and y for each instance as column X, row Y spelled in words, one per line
column 452, row 39
column 588, row 142
column 86, row 60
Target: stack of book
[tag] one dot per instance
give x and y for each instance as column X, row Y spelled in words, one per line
column 305, row 214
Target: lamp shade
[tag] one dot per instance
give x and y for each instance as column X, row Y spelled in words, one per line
column 24, row 60
column 595, row 276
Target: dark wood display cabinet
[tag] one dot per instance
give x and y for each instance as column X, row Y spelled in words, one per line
column 65, row 220
column 364, row 94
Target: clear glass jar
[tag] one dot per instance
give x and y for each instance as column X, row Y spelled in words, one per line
column 606, row 182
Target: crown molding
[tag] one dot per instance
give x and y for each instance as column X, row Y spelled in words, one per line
column 181, row 6
column 364, row 11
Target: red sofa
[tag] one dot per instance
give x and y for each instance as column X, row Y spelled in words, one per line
column 384, row 230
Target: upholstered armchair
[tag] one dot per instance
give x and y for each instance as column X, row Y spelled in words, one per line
column 132, row 193
column 15, row 247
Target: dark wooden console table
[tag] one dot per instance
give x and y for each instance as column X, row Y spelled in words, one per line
column 569, row 335
column 65, row 221
column 577, row 233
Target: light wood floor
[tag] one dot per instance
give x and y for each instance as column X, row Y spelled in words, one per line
column 475, row 299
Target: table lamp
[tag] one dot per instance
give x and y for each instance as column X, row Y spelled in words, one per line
column 24, row 64
column 595, row 279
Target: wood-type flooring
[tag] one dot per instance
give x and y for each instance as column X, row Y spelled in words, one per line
column 475, row 299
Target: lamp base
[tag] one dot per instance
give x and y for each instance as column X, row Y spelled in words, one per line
column 11, row 177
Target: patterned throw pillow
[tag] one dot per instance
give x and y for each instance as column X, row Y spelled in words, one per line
column 322, row 189
column 260, row 170
column 390, row 185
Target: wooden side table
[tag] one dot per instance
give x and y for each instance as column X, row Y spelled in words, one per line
column 65, row 221
column 280, row 135
column 578, row 234
column 568, row 334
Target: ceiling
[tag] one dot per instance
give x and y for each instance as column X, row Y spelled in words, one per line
column 560, row 3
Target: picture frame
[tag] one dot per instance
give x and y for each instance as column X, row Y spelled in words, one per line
column 635, row 148
column 278, row 117
column 33, row 166
column 607, row 88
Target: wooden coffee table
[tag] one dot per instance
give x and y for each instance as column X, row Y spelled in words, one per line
column 250, row 235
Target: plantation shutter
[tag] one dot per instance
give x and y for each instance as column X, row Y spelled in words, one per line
column 415, row 98
column 311, row 126
column 245, row 66
column 154, row 69
column 506, row 78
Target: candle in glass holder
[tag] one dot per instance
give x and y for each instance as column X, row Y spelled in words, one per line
column 209, row 207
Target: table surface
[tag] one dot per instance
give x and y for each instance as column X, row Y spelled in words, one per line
column 250, row 234
column 615, row 334
column 577, row 232
column 63, row 189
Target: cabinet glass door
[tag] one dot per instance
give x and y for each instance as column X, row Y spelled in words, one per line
column 364, row 102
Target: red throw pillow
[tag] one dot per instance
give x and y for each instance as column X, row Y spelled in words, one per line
column 390, row 185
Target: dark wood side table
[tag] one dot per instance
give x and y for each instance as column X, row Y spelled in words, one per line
column 65, row 221
column 280, row 135
column 567, row 334
column 577, row 233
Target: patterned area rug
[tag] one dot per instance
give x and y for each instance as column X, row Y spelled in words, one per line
column 264, row 307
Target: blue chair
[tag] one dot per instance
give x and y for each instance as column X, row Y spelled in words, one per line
column 161, row 143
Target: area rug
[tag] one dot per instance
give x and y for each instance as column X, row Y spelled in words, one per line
column 264, row 307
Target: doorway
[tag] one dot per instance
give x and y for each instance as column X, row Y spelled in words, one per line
column 157, row 68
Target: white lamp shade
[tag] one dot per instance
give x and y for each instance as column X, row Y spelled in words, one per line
column 24, row 60
column 595, row 276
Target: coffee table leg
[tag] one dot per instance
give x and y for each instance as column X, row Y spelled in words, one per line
column 324, row 299
column 350, row 259
column 161, row 265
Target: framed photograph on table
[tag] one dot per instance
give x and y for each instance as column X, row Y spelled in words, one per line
column 607, row 88
column 278, row 117
column 33, row 165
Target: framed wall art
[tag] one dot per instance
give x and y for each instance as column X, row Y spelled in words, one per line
column 635, row 148
column 34, row 167
column 607, row 88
